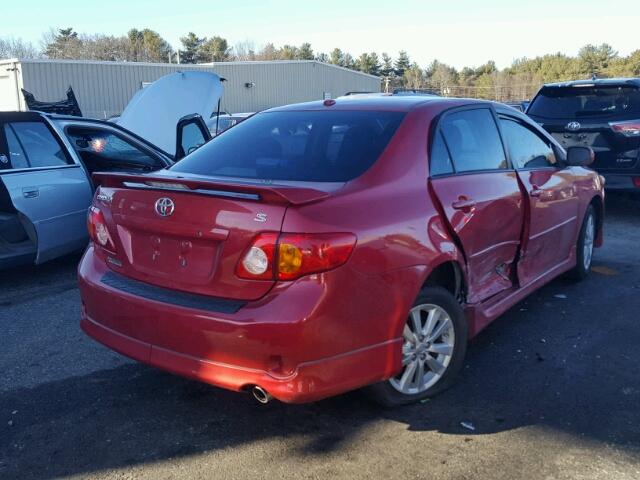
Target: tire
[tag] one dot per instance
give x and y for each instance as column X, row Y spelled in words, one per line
column 584, row 246
column 439, row 369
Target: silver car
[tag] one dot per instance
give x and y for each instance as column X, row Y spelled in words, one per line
column 47, row 161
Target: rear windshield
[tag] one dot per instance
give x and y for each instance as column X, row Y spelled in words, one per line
column 314, row 146
column 565, row 102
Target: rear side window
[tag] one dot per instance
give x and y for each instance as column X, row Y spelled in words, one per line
column 440, row 161
column 473, row 140
column 315, row 146
column 17, row 157
column 526, row 148
column 31, row 145
column 589, row 101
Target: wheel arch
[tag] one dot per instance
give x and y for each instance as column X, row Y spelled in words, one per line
column 449, row 275
column 598, row 206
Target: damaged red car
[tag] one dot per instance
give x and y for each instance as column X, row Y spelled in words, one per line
column 322, row 247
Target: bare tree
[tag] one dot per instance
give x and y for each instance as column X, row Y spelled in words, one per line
column 245, row 50
column 17, row 48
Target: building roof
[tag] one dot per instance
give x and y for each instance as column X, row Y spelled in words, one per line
column 190, row 65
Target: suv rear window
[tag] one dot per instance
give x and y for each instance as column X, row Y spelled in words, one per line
column 314, row 146
column 568, row 102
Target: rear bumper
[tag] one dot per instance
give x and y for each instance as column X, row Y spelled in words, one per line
column 296, row 342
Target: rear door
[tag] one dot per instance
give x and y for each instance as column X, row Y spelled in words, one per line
column 552, row 201
column 480, row 197
column 105, row 148
column 48, row 189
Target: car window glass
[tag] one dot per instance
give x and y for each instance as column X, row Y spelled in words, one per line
column 192, row 137
column 17, row 157
column 317, row 146
column 103, row 149
column 526, row 148
column 39, row 145
column 440, row 161
column 586, row 101
column 473, row 140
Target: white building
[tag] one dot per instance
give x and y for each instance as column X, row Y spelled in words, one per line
column 104, row 88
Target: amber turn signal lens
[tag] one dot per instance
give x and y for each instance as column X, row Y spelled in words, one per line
column 289, row 258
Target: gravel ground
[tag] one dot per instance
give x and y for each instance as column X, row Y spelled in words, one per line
column 551, row 389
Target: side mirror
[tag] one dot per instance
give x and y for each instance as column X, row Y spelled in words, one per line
column 580, row 156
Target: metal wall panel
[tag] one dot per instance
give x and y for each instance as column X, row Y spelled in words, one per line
column 104, row 88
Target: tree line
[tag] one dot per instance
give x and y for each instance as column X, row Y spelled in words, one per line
column 518, row 81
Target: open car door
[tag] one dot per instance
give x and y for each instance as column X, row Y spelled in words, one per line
column 44, row 193
column 165, row 113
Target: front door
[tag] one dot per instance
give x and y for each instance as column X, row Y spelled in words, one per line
column 480, row 196
column 49, row 191
column 552, row 201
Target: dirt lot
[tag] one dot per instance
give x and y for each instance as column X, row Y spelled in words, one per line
column 552, row 390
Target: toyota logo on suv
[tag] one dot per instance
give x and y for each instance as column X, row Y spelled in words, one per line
column 165, row 206
column 573, row 126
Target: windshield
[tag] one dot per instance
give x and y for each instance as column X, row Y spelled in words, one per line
column 314, row 146
column 567, row 102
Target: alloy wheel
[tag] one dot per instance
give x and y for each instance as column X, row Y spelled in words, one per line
column 429, row 340
column 587, row 247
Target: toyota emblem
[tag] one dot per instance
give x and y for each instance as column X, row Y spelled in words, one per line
column 573, row 126
column 164, row 206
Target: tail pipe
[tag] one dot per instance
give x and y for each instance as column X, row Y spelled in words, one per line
column 261, row 395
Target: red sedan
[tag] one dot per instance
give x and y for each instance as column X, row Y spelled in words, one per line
column 322, row 247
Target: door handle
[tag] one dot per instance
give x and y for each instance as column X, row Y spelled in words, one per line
column 30, row 192
column 464, row 203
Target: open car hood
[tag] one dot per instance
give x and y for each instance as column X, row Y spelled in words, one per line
column 153, row 112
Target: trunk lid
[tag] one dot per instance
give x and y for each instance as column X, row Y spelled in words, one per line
column 168, row 100
column 189, row 234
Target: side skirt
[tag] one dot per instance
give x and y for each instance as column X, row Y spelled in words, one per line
column 482, row 314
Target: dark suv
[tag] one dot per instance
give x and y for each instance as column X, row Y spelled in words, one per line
column 601, row 114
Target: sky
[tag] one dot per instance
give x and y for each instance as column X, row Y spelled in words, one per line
column 460, row 33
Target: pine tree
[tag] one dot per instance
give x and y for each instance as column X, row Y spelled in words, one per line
column 65, row 44
column 190, row 48
column 336, row 57
column 215, row 49
column 305, row 52
column 402, row 63
column 288, row 52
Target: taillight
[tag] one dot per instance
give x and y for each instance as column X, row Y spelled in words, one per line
column 293, row 255
column 630, row 128
column 97, row 227
column 258, row 261
column 636, row 182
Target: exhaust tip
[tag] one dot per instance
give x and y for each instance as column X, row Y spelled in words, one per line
column 261, row 395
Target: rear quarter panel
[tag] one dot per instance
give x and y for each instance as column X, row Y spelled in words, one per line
column 400, row 237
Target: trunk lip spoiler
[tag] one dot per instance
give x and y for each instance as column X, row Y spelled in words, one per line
column 235, row 190
column 201, row 191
